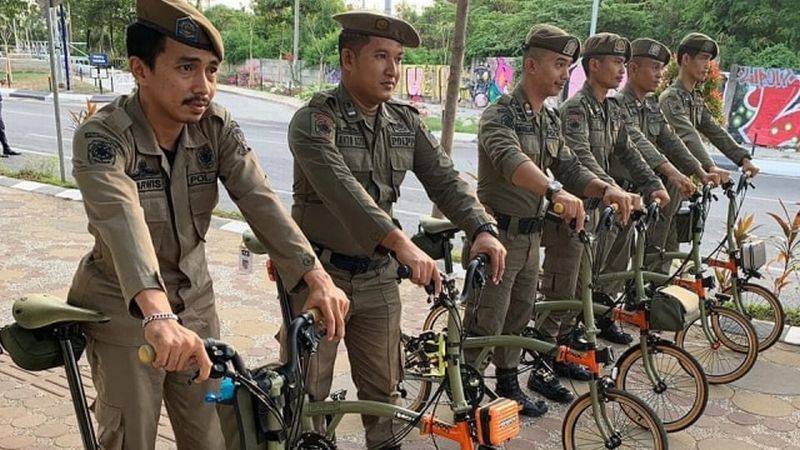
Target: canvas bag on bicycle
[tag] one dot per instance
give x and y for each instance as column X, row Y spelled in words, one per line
column 673, row 308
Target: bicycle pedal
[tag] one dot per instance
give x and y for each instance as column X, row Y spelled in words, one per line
column 722, row 298
column 339, row 395
column 605, row 356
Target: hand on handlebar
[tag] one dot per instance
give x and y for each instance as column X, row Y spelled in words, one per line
column 662, row 197
column 487, row 244
column 569, row 208
column 177, row 348
column 329, row 299
column 625, row 202
column 682, row 182
column 724, row 175
column 710, row 178
column 750, row 169
column 423, row 268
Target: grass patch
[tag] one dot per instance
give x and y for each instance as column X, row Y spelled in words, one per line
column 764, row 312
column 42, row 170
column 227, row 214
column 462, row 125
column 40, row 81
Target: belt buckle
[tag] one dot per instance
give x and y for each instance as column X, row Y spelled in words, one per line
column 362, row 266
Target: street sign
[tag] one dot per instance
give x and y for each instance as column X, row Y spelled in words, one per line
column 98, row 59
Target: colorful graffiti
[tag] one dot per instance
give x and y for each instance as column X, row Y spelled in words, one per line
column 481, row 85
column 765, row 109
column 577, row 77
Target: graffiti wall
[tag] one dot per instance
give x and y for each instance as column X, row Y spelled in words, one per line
column 577, row 77
column 765, row 108
column 482, row 83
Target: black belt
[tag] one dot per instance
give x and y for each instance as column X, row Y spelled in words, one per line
column 352, row 264
column 525, row 225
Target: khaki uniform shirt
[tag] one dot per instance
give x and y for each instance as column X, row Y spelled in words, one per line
column 347, row 172
column 599, row 133
column 510, row 134
column 647, row 117
column 688, row 114
column 149, row 220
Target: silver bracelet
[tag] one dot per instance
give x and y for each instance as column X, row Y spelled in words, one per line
column 159, row 316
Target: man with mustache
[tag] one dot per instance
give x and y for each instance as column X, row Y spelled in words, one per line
column 596, row 130
column 686, row 111
column 518, row 140
column 352, row 147
column 147, row 166
column 645, row 71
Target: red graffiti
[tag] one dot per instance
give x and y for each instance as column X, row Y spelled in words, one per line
column 776, row 121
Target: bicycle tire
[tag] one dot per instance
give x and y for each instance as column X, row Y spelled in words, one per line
column 680, row 401
column 730, row 357
column 770, row 327
column 643, row 431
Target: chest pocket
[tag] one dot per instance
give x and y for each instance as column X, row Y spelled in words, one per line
column 202, row 201
column 551, row 145
column 359, row 161
column 697, row 111
column 654, row 124
column 401, row 160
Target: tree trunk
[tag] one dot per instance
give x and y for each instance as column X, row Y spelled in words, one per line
column 454, row 82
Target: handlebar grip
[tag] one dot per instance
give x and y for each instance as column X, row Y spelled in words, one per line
column 748, row 173
column 614, row 207
column 147, row 354
column 403, row 272
column 657, row 201
column 558, row 208
column 316, row 314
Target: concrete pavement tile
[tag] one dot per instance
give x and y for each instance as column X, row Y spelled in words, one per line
column 724, row 444
column 9, row 413
column 742, row 418
column 11, row 275
column 707, row 421
column 779, row 424
column 28, row 421
column 15, row 442
column 719, row 392
column 6, row 430
column 255, row 328
column 786, row 357
column 240, row 343
column 712, row 410
column 796, row 402
column 72, row 440
column 63, row 410
column 41, row 402
column 782, row 379
column 762, row 405
column 770, row 440
column 682, row 440
column 237, row 314
column 52, row 430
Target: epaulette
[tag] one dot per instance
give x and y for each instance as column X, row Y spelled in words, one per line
column 402, row 103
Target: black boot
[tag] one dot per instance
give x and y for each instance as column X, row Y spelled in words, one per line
column 612, row 332
column 508, row 387
column 576, row 340
column 571, row 370
column 544, row 381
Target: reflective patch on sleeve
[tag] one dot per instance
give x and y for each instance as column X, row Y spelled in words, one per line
column 101, row 149
column 322, row 125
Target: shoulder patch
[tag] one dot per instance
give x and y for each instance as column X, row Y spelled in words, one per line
column 101, row 149
column 237, row 134
column 321, row 125
column 576, row 120
column 320, row 98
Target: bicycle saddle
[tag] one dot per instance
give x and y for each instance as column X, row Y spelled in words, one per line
column 40, row 310
column 252, row 243
column 432, row 225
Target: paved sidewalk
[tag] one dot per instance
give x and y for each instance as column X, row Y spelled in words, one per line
column 44, row 237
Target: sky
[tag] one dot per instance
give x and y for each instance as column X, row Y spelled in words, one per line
column 368, row 4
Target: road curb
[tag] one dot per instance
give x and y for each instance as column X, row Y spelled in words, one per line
column 790, row 335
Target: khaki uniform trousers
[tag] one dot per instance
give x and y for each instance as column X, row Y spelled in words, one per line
column 372, row 337
column 129, row 396
column 561, row 272
column 662, row 236
column 506, row 308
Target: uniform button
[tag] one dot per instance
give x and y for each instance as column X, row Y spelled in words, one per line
column 308, row 260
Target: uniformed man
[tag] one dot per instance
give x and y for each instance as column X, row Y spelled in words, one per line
column 649, row 59
column 147, row 166
column 519, row 138
column 3, row 139
column 352, row 147
column 596, row 130
column 685, row 109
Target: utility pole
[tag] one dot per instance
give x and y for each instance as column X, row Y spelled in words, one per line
column 296, row 49
column 48, row 5
column 595, row 12
column 388, row 7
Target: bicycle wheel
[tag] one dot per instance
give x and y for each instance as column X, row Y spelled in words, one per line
column 635, row 425
column 732, row 353
column 764, row 311
column 436, row 319
column 680, row 397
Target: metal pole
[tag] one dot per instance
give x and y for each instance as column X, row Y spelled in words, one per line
column 64, row 46
column 388, row 7
column 54, row 86
column 296, row 49
column 595, row 12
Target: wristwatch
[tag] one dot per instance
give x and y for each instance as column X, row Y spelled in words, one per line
column 553, row 187
column 488, row 228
